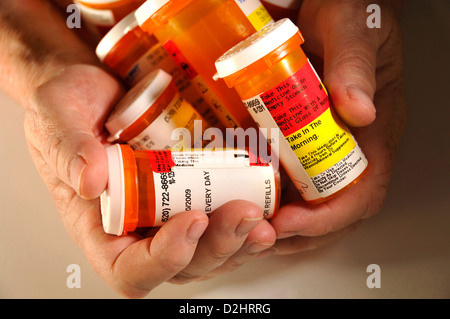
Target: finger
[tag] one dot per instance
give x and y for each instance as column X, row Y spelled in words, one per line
column 350, row 61
column 297, row 244
column 359, row 202
column 228, row 230
column 64, row 128
column 337, row 32
column 260, row 238
column 74, row 154
column 149, row 262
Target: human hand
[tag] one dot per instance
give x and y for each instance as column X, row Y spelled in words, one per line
column 64, row 130
column 362, row 70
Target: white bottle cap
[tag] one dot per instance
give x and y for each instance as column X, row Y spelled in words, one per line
column 255, row 47
column 149, row 8
column 112, row 201
column 136, row 102
column 115, row 35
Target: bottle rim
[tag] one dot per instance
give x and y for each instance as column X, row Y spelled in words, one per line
column 136, row 102
column 113, row 37
column 148, row 9
column 255, row 47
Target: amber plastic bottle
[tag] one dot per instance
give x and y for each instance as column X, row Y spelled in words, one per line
column 146, row 188
column 196, row 33
column 281, row 89
column 153, row 115
column 132, row 54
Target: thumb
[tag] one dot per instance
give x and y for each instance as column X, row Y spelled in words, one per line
column 350, row 51
column 75, row 156
column 65, row 126
column 86, row 169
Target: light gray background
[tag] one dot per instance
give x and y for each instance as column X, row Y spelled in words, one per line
column 409, row 239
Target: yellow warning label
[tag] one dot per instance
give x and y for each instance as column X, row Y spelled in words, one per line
column 259, row 18
column 321, row 144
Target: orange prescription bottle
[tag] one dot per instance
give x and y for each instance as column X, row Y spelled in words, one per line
column 132, row 54
column 280, row 88
column 104, row 14
column 280, row 9
column 196, row 33
column 146, row 188
column 153, row 115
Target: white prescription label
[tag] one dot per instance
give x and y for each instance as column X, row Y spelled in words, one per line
column 179, row 114
column 199, row 180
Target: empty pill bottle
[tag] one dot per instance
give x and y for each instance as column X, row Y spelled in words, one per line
column 132, row 54
column 151, row 112
column 104, row 14
column 280, row 9
column 196, row 33
column 146, row 188
column 280, row 89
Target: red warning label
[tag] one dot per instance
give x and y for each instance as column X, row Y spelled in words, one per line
column 297, row 101
column 161, row 161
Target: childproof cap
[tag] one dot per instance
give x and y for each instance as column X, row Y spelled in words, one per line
column 119, row 205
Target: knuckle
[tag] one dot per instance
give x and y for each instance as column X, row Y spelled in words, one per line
column 52, row 152
column 183, row 278
column 322, row 229
column 172, row 264
column 220, row 254
column 235, row 263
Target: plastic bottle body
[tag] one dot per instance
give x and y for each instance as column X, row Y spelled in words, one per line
column 282, row 90
column 196, row 33
column 146, row 188
column 125, row 53
column 132, row 54
column 104, row 14
column 153, row 115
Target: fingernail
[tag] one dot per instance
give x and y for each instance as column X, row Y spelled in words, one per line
column 246, row 225
column 287, row 234
column 77, row 168
column 196, row 231
column 257, row 248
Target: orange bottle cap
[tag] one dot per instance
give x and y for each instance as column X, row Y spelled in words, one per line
column 255, row 47
column 136, row 102
column 113, row 37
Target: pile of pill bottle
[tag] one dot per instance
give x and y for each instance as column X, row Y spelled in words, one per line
column 280, row 88
column 196, row 33
column 150, row 112
column 102, row 15
column 146, row 188
column 132, row 54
